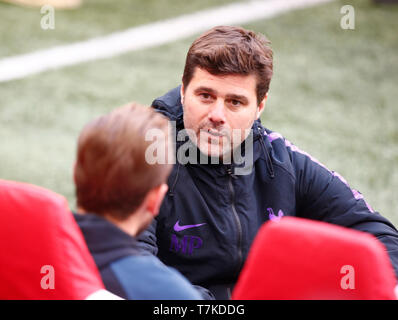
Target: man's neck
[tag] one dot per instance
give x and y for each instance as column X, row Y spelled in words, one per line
column 130, row 225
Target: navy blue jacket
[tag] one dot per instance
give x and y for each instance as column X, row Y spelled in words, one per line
column 127, row 270
column 210, row 216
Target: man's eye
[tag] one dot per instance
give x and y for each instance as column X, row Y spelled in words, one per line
column 236, row 103
column 205, row 96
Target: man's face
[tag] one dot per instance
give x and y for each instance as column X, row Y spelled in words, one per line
column 219, row 110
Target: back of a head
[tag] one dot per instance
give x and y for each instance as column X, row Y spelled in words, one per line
column 304, row 259
column 226, row 50
column 113, row 171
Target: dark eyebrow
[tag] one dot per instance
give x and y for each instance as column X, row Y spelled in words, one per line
column 205, row 89
column 243, row 99
column 230, row 96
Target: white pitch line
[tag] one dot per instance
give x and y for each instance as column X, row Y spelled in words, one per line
column 144, row 36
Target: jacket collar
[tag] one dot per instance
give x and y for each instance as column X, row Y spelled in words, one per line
column 106, row 241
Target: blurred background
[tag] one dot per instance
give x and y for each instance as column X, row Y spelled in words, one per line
column 334, row 91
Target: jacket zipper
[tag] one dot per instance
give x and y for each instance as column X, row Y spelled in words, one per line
column 238, row 224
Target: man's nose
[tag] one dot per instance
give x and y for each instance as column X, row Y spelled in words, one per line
column 216, row 113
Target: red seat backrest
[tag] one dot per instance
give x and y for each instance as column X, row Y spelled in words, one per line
column 303, row 259
column 41, row 245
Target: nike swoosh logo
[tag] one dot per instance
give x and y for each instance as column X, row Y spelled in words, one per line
column 179, row 228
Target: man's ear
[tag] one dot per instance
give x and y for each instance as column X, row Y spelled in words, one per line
column 182, row 94
column 261, row 106
column 154, row 199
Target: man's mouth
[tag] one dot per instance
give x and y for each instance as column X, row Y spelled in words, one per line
column 214, row 133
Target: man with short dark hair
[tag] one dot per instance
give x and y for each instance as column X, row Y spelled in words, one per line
column 118, row 194
column 214, row 208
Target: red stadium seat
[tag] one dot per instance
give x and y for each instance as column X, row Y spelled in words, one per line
column 303, row 259
column 43, row 253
